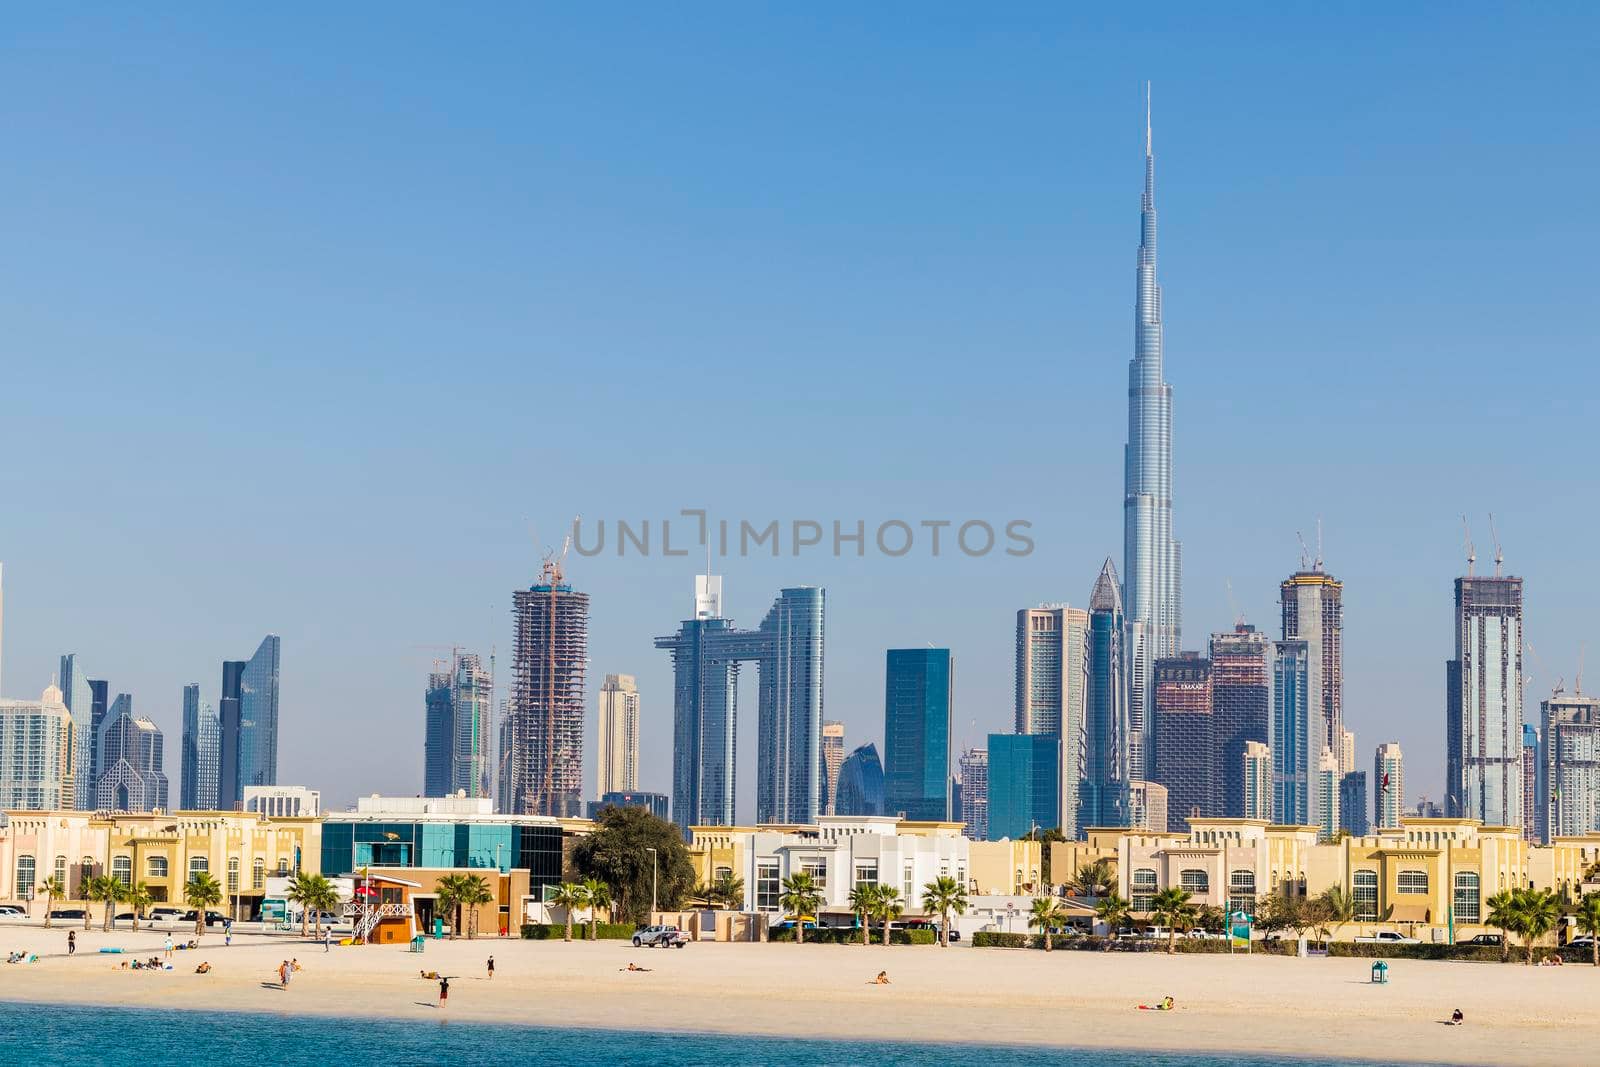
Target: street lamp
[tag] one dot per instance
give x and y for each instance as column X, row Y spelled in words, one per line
column 653, row 875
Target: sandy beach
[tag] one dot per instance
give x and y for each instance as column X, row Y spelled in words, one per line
column 1315, row 1008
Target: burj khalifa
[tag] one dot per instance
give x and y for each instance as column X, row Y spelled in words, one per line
column 1152, row 560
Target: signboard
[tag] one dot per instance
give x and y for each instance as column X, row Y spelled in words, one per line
column 274, row 910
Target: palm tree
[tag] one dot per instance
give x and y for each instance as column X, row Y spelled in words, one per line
column 571, row 896
column 1092, row 879
column 864, row 902
column 478, row 894
column 942, row 896
column 730, row 888
column 1044, row 915
column 106, row 888
column 138, row 898
column 299, row 892
column 202, row 892
column 888, row 906
column 1538, row 910
column 321, row 896
column 452, row 890
column 801, row 899
column 1588, row 916
column 1113, row 910
column 1171, row 908
column 54, row 889
column 599, row 895
column 1503, row 917
column 1340, row 907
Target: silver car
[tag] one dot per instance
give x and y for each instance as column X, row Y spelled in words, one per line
column 650, row 936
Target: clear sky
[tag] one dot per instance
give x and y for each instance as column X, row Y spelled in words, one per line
column 316, row 320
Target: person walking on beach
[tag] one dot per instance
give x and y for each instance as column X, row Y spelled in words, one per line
column 327, row 940
column 72, row 941
column 283, row 975
column 167, row 945
column 444, row 989
column 491, row 968
column 227, row 935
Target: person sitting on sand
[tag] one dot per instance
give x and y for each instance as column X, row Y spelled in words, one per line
column 1456, row 1018
column 1164, row 1005
column 882, row 979
column 204, row 968
column 633, row 967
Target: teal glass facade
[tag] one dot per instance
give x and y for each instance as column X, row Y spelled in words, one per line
column 1024, row 784
column 349, row 846
column 916, row 733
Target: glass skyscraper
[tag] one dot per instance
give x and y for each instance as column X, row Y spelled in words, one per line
column 1152, row 560
column 202, row 753
column 1483, row 761
column 248, row 710
column 917, row 715
column 860, row 789
column 1297, row 736
column 1185, row 752
column 1052, row 692
column 1108, row 759
column 78, row 695
column 458, row 736
column 1241, row 703
column 707, row 651
column 1023, row 784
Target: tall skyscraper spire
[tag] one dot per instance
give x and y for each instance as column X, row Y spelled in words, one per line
column 1151, row 558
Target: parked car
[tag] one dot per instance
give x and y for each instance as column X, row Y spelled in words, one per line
column 1492, row 940
column 1206, row 935
column 69, row 913
column 1580, row 942
column 648, row 936
column 213, row 918
column 789, row 924
column 12, row 911
column 166, row 915
column 674, row 939
column 1387, row 937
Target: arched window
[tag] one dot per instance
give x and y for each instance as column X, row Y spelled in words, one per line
column 1466, row 897
column 1365, row 894
column 61, row 869
column 1144, row 889
column 25, row 873
column 1413, row 882
column 86, row 869
column 283, row 866
column 156, row 867
column 122, row 869
column 198, row 865
column 724, row 872
column 1194, row 881
column 258, row 874
column 233, row 874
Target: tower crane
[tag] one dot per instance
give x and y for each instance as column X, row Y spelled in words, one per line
column 1472, row 555
column 1494, row 535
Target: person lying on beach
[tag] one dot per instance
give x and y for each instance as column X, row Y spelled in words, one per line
column 1165, row 1005
column 14, row 957
column 1456, row 1018
column 204, row 968
column 432, row 976
column 882, row 979
column 633, row 967
column 1550, row 961
column 193, row 943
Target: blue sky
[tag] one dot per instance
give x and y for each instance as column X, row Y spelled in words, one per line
column 317, row 320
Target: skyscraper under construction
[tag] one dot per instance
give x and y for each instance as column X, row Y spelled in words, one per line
column 541, row 757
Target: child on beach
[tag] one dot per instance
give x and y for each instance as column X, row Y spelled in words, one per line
column 444, row 990
column 882, row 979
column 491, row 968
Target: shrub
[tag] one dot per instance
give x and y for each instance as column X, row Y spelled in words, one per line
column 844, row 935
column 999, row 939
column 580, row 931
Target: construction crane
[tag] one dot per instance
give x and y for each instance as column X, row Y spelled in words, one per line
column 1233, row 603
column 1472, row 555
column 1494, row 535
column 1305, row 553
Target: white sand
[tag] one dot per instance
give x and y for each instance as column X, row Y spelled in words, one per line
column 1314, row 1008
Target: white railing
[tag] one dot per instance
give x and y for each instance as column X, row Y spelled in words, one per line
column 367, row 918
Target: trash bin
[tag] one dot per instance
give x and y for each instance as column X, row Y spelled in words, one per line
column 418, row 943
column 1380, row 973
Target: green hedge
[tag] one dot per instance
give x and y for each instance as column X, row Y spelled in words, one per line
column 846, row 936
column 580, row 931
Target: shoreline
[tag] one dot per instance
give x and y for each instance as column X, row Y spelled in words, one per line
column 1275, row 1007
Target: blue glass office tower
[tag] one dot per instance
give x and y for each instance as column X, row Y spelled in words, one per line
column 248, row 711
column 1103, row 797
column 1152, row 560
column 917, row 710
column 1024, row 784
column 860, row 790
column 707, row 652
column 77, row 693
column 1297, row 736
column 202, row 753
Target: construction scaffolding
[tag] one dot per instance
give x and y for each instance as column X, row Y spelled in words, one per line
column 542, row 738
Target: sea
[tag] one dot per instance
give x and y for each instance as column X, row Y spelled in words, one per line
column 44, row 1035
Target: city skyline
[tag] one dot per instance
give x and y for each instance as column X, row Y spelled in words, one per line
column 1393, row 384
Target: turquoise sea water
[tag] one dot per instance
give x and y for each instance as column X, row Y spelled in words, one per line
column 41, row 1034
